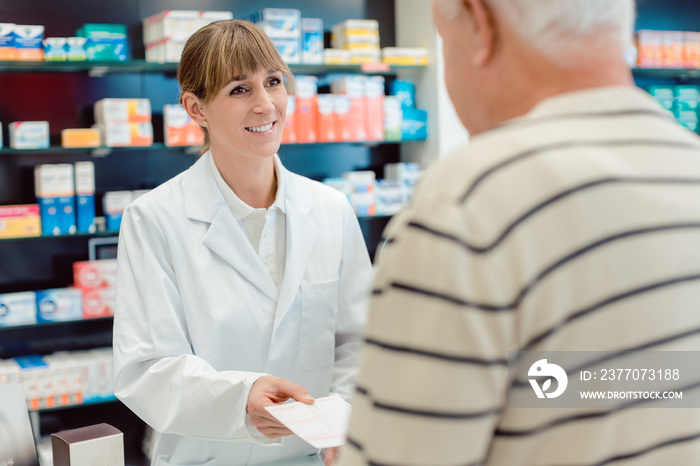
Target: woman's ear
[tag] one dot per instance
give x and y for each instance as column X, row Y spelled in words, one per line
column 194, row 108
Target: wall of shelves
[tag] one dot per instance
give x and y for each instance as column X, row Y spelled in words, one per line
column 64, row 94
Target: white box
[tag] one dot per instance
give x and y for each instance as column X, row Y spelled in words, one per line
column 29, row 134
column 108, row 111
column 17, row 309
column 96, row 444
column 60, row 304
column 312, row 40
column 279, row 22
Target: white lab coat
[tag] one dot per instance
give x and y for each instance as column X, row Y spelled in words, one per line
column 198, row 319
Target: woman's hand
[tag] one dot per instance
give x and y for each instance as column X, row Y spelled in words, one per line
column 269, row 391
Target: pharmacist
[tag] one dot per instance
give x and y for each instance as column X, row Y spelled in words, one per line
column 240, row 284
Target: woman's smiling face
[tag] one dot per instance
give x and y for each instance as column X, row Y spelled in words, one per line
column 246, row 118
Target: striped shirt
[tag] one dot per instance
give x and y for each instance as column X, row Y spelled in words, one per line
column 573, row 228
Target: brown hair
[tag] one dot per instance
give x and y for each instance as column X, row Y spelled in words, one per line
column 220, row 51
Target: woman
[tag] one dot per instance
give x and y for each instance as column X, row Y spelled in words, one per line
column 240, row 284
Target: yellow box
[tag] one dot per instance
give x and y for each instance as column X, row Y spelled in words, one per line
column 20, row 221
column 80, row 137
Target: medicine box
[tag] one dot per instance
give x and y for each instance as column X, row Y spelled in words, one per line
column 80, row 137
column 90, row 275
column 109, row 111
column 105, row 42
column 126, row 134
column 113, row 204
column 374, row 107
column 99, row 302
column 55, row 49
column 289, row 135
column 60, row 304
column 17, row 309
column 306, row 115
column 28, row 42
column 279, row 22
column 75, row 48
column 393, row 118
column 29, row 134
column 326, row 118
column 20, row 221
column 312, row 40
column 414, row 125
column 96, row 444
column 179, row 128
column 85, row 196
column 405, row 56
column 405, row 91
column 7, row 46
column 55, row 193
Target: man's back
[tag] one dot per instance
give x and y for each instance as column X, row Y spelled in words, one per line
column 575, row 228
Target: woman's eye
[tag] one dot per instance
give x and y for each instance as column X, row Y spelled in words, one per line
column 274, row 82
column 238, row 90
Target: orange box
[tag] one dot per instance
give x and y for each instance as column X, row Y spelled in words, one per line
column 289, row 135
column 7, row 48
column 692, row 50
column 89, row 275
column 326, row 119
column 80, row 137
column 374, row 108
column 341, row 118
column 306, row 118
column 673, row 49
column 650, row 49
column 20, row 221
column 179, row 129
column 99, row 302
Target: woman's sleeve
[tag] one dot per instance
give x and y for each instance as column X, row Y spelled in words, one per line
column 156, row 373
column 355, row 281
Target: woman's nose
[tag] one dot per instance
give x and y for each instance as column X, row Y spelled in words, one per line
column 263, row 102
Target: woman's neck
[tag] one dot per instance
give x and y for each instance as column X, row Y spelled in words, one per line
column 253, row 180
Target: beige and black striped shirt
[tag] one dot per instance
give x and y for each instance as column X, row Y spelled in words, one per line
column 573, row 228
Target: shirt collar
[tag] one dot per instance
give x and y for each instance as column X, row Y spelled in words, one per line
column 239, row 208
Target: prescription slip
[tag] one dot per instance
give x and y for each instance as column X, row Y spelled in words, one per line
column 323, row 424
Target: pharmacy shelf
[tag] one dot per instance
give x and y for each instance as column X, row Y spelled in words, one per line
column 60, row 237
column 142, row 66
column 192, row 150
column 683, row 75
column 56, row 323
column 92, row 402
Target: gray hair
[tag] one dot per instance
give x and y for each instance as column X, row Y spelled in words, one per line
column 553, row 27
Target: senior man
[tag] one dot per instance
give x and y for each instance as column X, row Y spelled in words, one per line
column 570, row 222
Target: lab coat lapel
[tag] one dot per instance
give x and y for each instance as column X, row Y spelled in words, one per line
column 225, row 237
column 302, row 234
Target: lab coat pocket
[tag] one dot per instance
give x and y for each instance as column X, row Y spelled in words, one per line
column 165, row 461
column 319, row 303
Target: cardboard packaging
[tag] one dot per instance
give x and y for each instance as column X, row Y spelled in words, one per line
column 17, row 309
column 7, row 46
column 58, row 305
column 80, row 137
column 55, row 49
column 179, row 128
column 20, row 221
column 28, row 42
column 55, row 193
column 29, row 134
column 306, row 116
column 85, row 196
column 312, row 40
column 100, row 444
column 326, row 118
column 289, row 135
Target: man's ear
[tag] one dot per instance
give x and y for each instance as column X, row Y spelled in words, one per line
column 194, row 108
column 485, row 30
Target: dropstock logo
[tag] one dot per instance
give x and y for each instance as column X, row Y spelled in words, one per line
column 541, row 369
